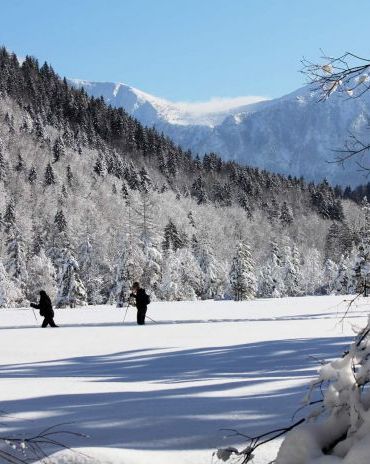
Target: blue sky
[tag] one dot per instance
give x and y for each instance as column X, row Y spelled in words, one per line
column 185, row 50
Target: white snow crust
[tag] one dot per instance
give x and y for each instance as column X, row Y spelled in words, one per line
column 161, row 393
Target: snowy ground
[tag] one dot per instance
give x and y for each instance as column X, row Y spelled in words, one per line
column 160, row 393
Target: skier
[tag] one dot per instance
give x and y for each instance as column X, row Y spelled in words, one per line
column 142, row 300
column 46, row 309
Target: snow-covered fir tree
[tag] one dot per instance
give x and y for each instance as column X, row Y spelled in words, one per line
column 181, row 276
column 58, row 149
column 291, row 271
column 242, row 278
column 286, row 214
column 10, row 295
column 128, row 270
column 49, row 176
column 90, row 272
column 329, row 276
column 71, row 291
column 361, row 267
column 270, row 280
column 15, row 263
column 345, row 281
column 152, row 267
column 312, row 278
column 214, row 275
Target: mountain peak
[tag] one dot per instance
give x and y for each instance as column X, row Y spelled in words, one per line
column 151, row 110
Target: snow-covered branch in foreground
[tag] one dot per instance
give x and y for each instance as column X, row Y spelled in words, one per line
column 23, row 450
column 338, row 431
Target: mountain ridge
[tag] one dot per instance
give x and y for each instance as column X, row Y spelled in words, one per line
column 294, row 134
column 182, row 113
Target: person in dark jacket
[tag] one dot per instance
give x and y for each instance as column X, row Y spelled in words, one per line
column 141, row 299
column 46, row 309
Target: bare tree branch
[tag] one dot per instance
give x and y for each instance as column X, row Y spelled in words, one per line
column 349, row 75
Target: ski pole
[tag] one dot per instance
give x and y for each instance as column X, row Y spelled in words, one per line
column 34, row 315
column 151, row 319
column 124, row 317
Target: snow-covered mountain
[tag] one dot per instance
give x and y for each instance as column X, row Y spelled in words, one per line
column 151, row 110
column 295, row 134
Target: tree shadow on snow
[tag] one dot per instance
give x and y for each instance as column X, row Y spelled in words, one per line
column 177, row 399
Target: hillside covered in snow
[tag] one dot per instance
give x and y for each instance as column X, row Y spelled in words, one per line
column 92, row 201
column 294, row 135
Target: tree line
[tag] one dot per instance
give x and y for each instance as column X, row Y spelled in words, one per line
column 92, row 200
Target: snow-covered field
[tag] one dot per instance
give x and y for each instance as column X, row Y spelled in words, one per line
column 160, row 393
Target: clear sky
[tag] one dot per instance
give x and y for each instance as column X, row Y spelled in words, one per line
column 187, row 50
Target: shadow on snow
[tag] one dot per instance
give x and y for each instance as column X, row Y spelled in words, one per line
column 192, row 393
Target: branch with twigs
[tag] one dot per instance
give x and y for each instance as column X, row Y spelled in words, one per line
column 17, row 450
column 345, row 74
column 247, row 453
column 348, row 74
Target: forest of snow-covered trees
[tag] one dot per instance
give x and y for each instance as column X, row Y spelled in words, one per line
column 91, row 201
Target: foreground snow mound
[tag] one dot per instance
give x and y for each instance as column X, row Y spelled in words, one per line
column 344, row 437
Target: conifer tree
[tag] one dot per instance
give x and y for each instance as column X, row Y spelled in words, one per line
column 345, row 281
column 69, row 175
column 9, row 216
column 361, row 267
column 330, row 274
column 270, row 282
column 90, row 272
column 128, row 270
column 64, row 194
column 173, row 239
column 199, row 191
column 39, row 130
column 144, row 214
column 214, row 276
column 145, row 181
column 38, row 241
column 124, row 191
column 313, row 281
column 60, row 221
column 15, row 263
column 19, row 167
column 71, row 291
column 242, row 278
column 10, row 295
column 99, row 167
column 152, row 267
column 267, row 284
column 181, row 276
column 49, row 176
column 32, row 175
column 3, row 170
column 286, row 215
column 273, row 211
column 292, row 277
column 58, row 149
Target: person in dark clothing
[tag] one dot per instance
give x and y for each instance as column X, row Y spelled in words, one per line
column 141, row 299
column 46, row 309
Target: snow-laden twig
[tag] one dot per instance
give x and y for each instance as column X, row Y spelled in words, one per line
column 348, row 74
column 16, row 450
column 253, row 443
